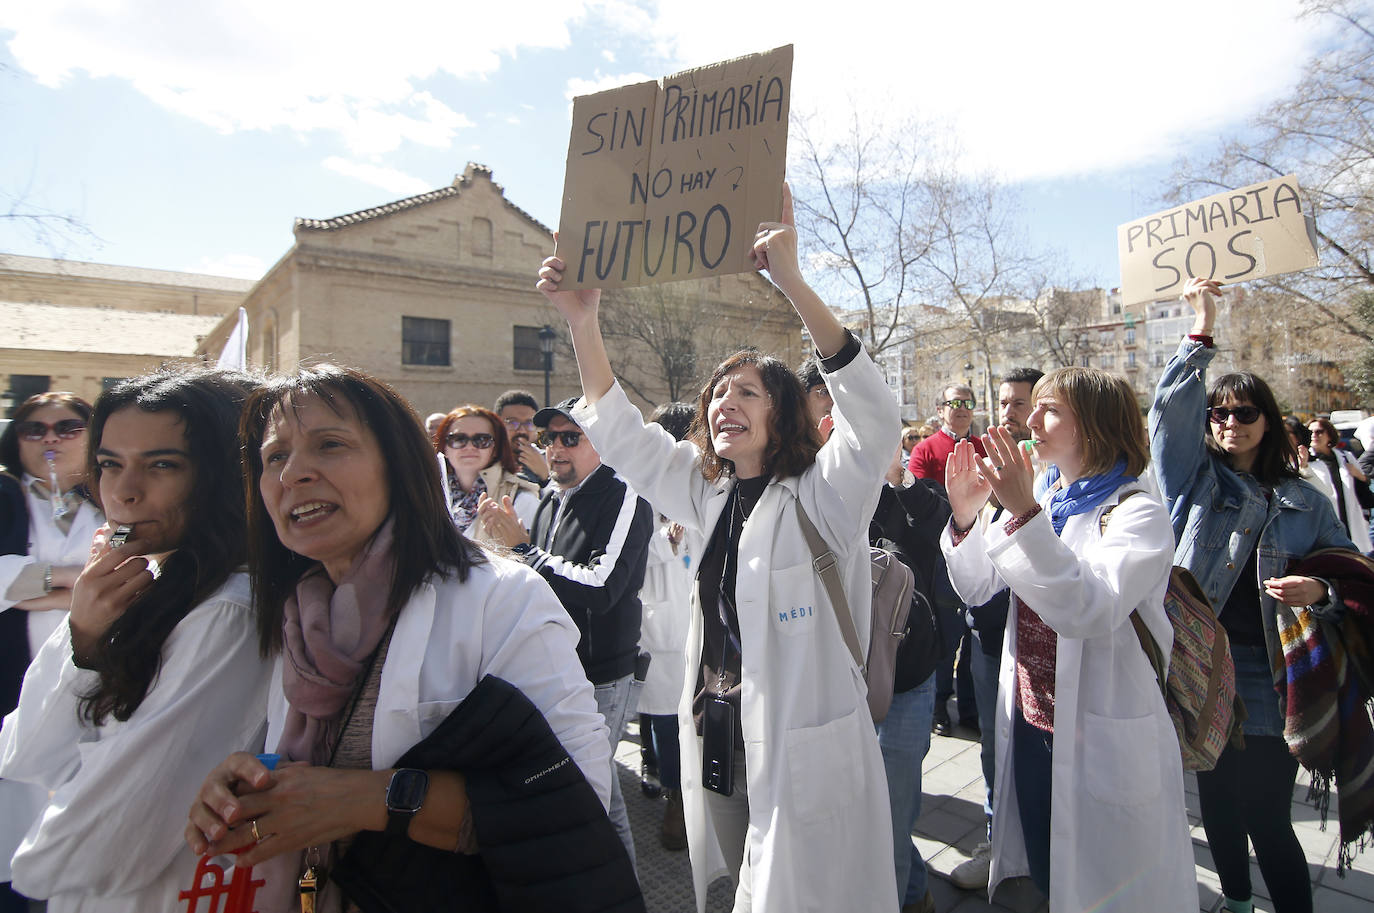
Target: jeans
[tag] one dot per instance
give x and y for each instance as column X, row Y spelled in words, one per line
column 985, row 673
column 1246, row 801
column 615, row 700
column 1032, row 759
column 660, row 731
column 904, row 737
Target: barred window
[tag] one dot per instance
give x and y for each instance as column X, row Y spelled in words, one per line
column 424, row 341
column 527, row 354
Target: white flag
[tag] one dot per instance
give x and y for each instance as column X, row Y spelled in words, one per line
column 235, row 354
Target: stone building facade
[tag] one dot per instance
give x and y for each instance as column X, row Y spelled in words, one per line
column 434, row 294
column 67, row 325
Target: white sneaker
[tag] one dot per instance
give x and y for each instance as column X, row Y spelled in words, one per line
column 972, row 873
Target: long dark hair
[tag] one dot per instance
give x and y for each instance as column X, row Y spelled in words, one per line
column 792, row 442
column 207, row 403
column 425, row 540
column 502, row 452
column 1276, row 459
column 10, row 460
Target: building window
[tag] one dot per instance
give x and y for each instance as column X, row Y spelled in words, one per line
column 22, row 386
column 424, row 341
column 1130, row 336
column 527, row 354
column 1130, row 359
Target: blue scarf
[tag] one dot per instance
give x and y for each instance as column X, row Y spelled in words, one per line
column 1083, row 495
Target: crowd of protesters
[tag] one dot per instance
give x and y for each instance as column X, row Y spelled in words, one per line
column 274, row 643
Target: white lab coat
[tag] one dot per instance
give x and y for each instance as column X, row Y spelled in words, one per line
column 503, row 621
column 110, row 839
column 819, row 837
column 1354, row 517
column 20, row 803
column 667, row 599
column 1118, row 827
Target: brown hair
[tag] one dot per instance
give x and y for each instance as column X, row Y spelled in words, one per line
column 1110, row 425
column 425, row 540
column 792, row 442
column 502, row 452
column 9, row 441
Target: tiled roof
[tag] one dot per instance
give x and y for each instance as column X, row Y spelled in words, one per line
column 104, row 271
column 456, row 188
column 110, row 331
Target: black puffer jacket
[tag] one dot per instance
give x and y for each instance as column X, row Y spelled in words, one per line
column 545, row 841
column 14, row 637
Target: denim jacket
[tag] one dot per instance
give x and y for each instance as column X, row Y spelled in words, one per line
column 1219, row 514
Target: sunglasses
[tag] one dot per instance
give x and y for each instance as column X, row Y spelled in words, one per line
column 514, row 424
column 66, row 429
column 566, row 438
column 1246, row 415
column 959, row 403
column 457, row 440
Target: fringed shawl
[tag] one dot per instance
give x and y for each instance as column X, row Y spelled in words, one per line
column 1329, row 677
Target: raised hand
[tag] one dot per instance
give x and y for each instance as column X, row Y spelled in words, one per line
column 1201, row 295
column 967, row 489
column 1008, row 470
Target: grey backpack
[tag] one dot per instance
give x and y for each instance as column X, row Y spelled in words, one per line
column 893, row 584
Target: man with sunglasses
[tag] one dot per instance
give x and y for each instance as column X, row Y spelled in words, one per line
column 955, row 408
column 590, row 541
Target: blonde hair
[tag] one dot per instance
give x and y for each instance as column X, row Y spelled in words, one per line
column 1110, row 424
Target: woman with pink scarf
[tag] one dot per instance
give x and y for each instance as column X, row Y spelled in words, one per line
column 385, row 619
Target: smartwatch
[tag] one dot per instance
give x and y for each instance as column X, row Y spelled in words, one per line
column 405, row 795
column 521, row 549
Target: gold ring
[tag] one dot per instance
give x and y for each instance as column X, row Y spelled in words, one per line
column 256, row 836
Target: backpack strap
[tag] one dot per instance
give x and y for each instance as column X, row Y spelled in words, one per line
column 1153, row 653
column 823, row 560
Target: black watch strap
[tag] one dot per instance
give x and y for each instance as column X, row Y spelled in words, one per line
column 405, row 795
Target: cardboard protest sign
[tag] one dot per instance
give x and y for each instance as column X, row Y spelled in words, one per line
column 1233, row 236
column 669, row 180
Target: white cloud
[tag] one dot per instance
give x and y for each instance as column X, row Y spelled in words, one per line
column 336, row 65
column 1031, row 90
column 389, row 179
column 237, row 266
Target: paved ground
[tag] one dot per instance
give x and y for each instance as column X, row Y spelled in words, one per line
column 951, row 826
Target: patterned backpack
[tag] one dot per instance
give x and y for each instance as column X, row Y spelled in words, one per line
column 1199, row 686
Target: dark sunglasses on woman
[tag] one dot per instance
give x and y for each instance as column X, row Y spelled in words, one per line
column 457, row 440
column 1246, row 415
column 66, row 429
column 566, row 438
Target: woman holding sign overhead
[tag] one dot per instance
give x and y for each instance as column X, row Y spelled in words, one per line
column 1241, row 514
column 783, row 782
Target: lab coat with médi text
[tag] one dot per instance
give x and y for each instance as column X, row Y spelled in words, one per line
column 819, row 837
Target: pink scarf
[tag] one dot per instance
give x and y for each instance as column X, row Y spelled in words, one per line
column 329, row 633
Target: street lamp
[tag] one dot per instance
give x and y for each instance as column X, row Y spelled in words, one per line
column 546, row 338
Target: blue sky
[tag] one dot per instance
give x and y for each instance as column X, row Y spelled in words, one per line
column 188, row 136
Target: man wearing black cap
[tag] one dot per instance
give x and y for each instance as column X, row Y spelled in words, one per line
column 590, row 541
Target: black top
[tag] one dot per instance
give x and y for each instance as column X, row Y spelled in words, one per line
column 14, row 628
column 595, row 565
column 1241, row 615
column 720, row 643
